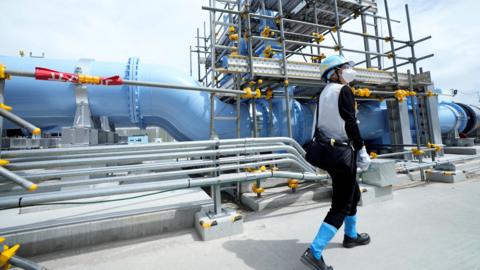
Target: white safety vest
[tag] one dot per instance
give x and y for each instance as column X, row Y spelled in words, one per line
column 329, row 120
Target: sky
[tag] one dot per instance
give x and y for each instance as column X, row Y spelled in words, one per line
column 160, row 32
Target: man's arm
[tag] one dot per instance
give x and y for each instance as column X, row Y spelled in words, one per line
column 346, row 106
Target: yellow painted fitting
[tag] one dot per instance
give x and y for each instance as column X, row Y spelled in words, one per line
column 277, row 20
column 37, row 131
column 412, row 93
column 249, row 169
column 233, row 37
column 5, row 107
column 318, row 37
column 429, row 171
column 448, row 173
column 231, row 29
column 437, row 147
column 88, row 79
column 417, row 152
column 390, row 55
column 3, row 74
column 269, row 94
column 207, row 225
column 400, row 95
column 247, row 93
column 268, row 52
column 293, row 183
column 362, row 92
column 334, row 29
column 258, row 93
column 337, row 48
column 234, row 51
column 257, row 190
column 251, row 83
column 33, row 187
column 285, row 82
column 260, row 81
column 263, row 168
column 7, row 254
column 388, row 39
column 4, row 162
column 236, row 218
column 266, row 32
column 430, row 93
column 318, row 58
column 373, row 155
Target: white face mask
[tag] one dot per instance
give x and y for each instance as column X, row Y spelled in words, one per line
column 349, row 75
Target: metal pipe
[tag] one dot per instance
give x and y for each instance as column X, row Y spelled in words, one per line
column 6, row 174
column 25, row 264
column 394, row 58
column 415, row 121
column 29, row 200
column 411, row 43
column 19, row 121
column 338, row 27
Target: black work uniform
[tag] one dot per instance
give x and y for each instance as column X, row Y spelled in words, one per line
column 346, row 192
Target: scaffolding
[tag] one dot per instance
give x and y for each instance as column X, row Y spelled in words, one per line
column 254, row 45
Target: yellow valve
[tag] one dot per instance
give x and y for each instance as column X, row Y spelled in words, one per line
column 373, row 155
column 257, row 190
column 269, row 94
column 4, row 162
column 3, row 75
column 233, row 37
column 268, row 52
column 437, row 147
column 88, row 79
column 258, row 93
column 266, row 32
column 390, row 55
column 5, row 107
column 293, row 183
column 7, row 254
column 247, row 93
column 318, row 37
column 417, row 152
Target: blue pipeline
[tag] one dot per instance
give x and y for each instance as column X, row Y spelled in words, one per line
column 184, row 114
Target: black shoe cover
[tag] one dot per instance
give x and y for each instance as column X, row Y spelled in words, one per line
column 362, row 239
column 309, row 260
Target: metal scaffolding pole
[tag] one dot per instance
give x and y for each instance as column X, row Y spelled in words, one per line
column 411, row 43
column 392, row 45
column 415, row 121
column 338, row 27
column 284, row 61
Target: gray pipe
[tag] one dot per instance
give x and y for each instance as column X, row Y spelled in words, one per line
column 20, row 121
column 29, row 200
column 6, row 174
column 150, row 157
column 25, row 264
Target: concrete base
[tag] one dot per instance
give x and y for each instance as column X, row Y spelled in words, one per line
column 445, row 176
column 381, row 173
column 283, row 196
column 210, row 227
column 72, row 227
column 373, row 194
column 459, row 150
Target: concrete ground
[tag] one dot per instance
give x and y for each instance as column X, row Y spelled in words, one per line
column 435, row 226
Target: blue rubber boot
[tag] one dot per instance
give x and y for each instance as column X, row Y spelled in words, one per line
column 312, row 257
column 352, row 238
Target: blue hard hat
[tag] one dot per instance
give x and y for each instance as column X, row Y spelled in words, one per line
column 330, row 63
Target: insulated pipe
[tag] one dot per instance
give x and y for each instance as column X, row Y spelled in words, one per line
column 19, row 121
column 25, row 264
column 29, row 200
column 6, row 174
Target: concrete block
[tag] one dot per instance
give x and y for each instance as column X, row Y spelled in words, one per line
column 214, row 227
column 374, row 194
column 283, row 196
column 73, row 227
column 381, row 173
column 462, row 150
column 445, row 176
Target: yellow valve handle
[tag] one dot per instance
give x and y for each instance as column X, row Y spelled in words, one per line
column 5, row 107
column 257, row 190
column 7, row 254
column 373, row 155
column 3, row 74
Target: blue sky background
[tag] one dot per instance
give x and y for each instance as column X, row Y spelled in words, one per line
column 160, row 32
